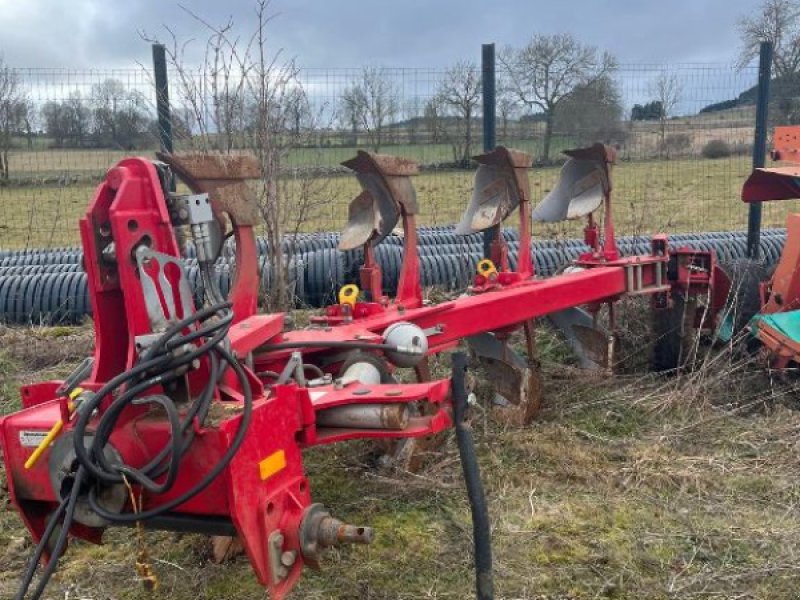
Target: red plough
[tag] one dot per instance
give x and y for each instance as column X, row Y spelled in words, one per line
column 195, row 418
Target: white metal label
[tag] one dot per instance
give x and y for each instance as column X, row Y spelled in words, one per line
column 31, row 439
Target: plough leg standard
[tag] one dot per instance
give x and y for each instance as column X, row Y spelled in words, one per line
column 195, row 418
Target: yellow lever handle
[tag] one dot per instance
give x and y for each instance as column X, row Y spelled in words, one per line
column 53, row 433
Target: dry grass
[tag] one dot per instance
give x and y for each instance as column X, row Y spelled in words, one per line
column 635, row 486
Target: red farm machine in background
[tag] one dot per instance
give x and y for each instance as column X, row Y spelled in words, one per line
column 195, row 418
column 771, row 305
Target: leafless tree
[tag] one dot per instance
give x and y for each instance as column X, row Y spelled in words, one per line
column 370, row 104
column 433, row 118
column 67, row 122
column 507, row 105
column 667, row 90
column 460, row 92
column 776, row 21
column 351, row 107
column 413, row 119
column 299, row 110
column 548, row 68
column 244, row 96
column 119, row 115
column 14, row 114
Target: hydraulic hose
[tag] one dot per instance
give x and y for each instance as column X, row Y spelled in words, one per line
column 481, row 530
column 202, row 334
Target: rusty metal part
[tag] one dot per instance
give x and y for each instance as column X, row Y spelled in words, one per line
column 365, row 416
column 224, row 548
column 516, row 382
column 594, row 343
column 501, row 183
column 319, row 531
column 386, row 164
column 586, row 338
column 409, row 454
column 363, row 221
column 582, row 185
column 387, row 193
column 223, row 177
column 519, row 392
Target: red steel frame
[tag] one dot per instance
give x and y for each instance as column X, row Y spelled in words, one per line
column 129, row 208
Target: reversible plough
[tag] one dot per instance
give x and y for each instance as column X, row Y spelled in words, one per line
column 195, row 418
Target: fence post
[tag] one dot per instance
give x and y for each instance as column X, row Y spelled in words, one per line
column 489, row 119
column 162, row 97
column 759, row 145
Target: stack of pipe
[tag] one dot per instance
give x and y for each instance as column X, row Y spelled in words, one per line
column 49, row 285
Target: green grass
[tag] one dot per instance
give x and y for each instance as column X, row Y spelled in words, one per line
column 649, row 197
column 41, row 161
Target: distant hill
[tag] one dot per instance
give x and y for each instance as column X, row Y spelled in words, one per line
column 780, row 87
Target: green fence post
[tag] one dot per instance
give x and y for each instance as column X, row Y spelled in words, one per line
column 489, row 118
column 759, row 145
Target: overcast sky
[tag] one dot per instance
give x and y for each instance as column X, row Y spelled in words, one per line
column 351, row 33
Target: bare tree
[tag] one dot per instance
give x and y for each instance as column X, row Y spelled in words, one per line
column 460, row 92
column 776, row 21
column 413, row 119
column 14, row 114
column 507, row 105
column 119, row 115
column 433, row 118
column 667, row 91
column 351, row 109
column 67, row 122
column 370, row 104
column 548, row 68
column 299, row 110
column 245, row 96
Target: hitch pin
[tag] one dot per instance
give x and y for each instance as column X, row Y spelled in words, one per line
column 55, row 430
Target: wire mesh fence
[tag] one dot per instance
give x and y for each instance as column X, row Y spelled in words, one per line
column 683, row 133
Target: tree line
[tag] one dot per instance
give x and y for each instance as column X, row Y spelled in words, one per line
column 554, row 85
column 112, row 116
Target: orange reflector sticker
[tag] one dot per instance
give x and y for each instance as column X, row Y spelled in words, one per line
column 274, row 463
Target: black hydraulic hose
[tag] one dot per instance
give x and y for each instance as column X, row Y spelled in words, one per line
column 162, row 364
column 33, row 562
column 481, row 530
column 220, row 465
column 173, row 353
column 67, row 510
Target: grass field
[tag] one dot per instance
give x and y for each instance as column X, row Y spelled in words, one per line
column 630, row 487
column 47, row 162
column 650, row 196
